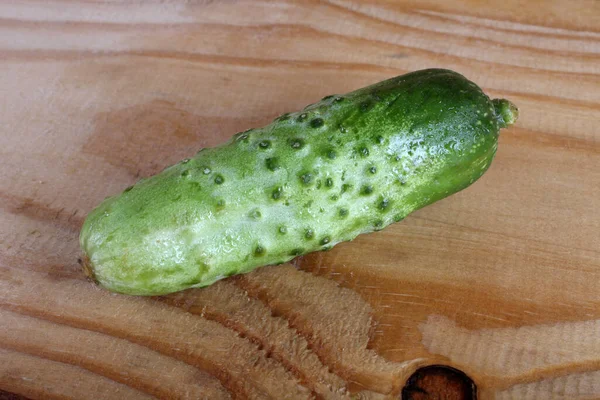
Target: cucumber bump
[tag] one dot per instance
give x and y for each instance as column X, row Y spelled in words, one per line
column 346, row 165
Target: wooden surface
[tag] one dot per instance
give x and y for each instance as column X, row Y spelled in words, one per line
column 501, row 281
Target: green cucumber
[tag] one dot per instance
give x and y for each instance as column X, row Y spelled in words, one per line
column 347, row 165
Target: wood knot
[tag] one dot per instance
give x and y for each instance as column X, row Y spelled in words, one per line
column 439, row 382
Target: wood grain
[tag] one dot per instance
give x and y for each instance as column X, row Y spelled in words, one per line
column 501, row 281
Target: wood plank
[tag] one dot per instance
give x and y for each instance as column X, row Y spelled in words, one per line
column 38, row 378
column 500, row 281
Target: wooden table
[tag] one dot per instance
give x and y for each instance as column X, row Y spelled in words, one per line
column 501, row 281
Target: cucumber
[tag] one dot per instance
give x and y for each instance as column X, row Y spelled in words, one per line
column 347, row 165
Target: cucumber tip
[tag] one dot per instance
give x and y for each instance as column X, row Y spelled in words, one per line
column 506, row 111
column 88, row 270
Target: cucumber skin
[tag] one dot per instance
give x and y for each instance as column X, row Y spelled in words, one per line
column 346, row 165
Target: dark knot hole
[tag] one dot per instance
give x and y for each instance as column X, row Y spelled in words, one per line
column 439, row 382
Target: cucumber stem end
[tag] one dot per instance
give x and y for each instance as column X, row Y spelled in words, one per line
column 506, row 112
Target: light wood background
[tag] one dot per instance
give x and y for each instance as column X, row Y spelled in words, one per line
column 501, row 281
